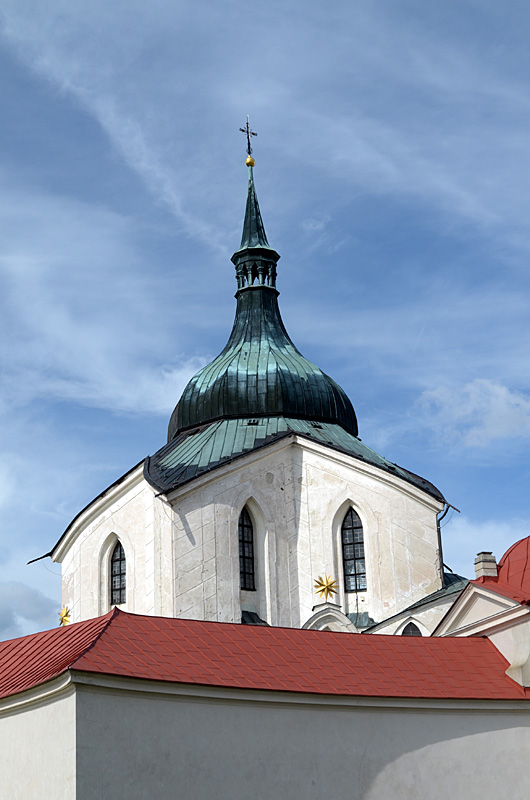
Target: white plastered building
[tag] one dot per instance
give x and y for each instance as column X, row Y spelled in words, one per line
column 263, row 487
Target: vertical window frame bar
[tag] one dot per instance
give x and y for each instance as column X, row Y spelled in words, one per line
column 352, row 541
column 247, row 560
column 118, row 594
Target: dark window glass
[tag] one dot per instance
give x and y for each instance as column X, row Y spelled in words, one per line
column 353, row 553
column 246, row 552
column 411, row 630
column 117, row 576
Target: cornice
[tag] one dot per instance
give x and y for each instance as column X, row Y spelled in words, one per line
column 209, row 694
column 37, row 695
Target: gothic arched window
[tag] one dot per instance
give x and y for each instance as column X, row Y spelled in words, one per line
column 246, row 552
column 411, row 629
column 117, row 575
column 353, row 553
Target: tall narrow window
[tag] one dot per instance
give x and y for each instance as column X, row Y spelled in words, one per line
column 246, row 552
column 353, row 553
column 117, row 575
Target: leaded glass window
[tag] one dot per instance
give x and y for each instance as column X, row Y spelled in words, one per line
column 411, row 629
column 353, row 560
column 246, row 552
column 117, row 575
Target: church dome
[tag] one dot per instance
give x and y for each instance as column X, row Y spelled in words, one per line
column 260, row 373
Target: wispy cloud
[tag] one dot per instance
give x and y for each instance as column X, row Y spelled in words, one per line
column 362, row 113
column 463, row 538
column 369, row 122
column 475, row 414
column 23, row 610
column 428, row 332
column 76, row 325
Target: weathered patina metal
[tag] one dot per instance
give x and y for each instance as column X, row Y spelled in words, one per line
column 255, row 261
column 194, row 452
column 260, row 373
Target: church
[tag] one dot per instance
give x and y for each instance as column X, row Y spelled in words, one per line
column 261, row 607
column 263, row 487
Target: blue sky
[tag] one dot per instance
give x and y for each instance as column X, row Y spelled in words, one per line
column 392, row 171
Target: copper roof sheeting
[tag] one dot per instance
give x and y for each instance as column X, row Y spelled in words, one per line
column 260, row 373
column 193, row 453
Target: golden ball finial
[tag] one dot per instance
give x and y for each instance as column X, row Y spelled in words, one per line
column 250, row 161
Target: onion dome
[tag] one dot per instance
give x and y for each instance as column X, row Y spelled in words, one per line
column 260, row 373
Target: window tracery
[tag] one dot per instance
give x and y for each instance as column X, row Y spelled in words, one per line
column 353, row 560
column 411, row 629
column 117, row 575
column 246, row 552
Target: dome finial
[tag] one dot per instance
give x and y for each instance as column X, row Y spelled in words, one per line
column 255, row 261
column 249, row 132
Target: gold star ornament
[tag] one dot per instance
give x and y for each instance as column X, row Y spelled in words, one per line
column 64, row 616
column 325, row 586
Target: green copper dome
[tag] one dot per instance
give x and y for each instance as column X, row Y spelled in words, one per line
column 260, row 373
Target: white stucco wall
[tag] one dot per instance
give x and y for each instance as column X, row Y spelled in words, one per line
column 298, row 494
column 183, row 553
column 425, row 617
column 399, row 523
column 38, row 749
column 132, row 514
column 133, row 745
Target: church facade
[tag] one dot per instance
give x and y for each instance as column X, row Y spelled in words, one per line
column 263, row 487
column 201, row 662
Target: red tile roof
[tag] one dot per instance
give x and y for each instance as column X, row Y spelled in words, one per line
column 37, row 658
column 246, row 657
column 513, row 575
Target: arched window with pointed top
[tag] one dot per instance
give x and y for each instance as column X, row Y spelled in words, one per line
column 117, row 575
column 411, row 629
column 353, row 561
column 247, row 579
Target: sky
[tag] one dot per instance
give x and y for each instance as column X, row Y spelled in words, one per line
column 392, row 169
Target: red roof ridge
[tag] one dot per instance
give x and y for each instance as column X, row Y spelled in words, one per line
column 111, row 616
column 230, row 655
column 28, row 661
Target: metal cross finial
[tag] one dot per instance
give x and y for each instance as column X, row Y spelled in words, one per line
column 248, row 130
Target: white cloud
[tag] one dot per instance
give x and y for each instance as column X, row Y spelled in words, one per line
column 142, row 389
column 78, row 310
column 475, row 414
column 365, row 101
column 315, row 224
column 463, row 538
column 390, row 103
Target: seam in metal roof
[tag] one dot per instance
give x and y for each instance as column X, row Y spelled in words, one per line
column 198, row 451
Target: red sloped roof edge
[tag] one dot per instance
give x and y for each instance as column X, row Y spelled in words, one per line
column 261, row 658
column 30, row 660
column 294, row 660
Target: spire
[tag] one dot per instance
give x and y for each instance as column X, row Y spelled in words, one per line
column 253, row 229
column 260, row 373
column 255, row 261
